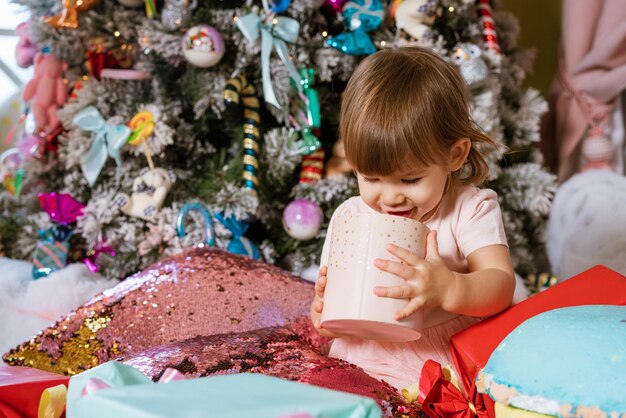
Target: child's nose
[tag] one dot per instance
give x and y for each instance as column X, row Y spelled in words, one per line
column 392, row 197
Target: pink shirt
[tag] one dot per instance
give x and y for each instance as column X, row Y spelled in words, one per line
column 469, row 220
column 464, row 223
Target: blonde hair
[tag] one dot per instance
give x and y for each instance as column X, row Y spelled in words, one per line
column 408, row 106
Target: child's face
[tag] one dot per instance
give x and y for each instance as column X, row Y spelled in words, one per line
column 413, row 194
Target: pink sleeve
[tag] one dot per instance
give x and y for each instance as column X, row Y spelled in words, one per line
column 345, row 207
column 480, row 222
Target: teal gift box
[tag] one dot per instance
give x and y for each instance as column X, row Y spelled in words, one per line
column 245, row 395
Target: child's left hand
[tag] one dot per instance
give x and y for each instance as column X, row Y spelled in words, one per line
column 429, row 283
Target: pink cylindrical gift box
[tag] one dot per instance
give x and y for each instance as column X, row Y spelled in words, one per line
column 350, row 305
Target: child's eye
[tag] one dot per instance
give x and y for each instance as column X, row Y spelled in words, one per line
column 411, row 181
column 370, row 179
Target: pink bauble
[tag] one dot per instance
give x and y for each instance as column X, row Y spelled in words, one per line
column 302, row 219
column 203, row 46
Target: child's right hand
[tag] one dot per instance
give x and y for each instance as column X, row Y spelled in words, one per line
column 318, row 303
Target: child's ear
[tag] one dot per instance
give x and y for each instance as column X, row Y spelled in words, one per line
column 459, row 152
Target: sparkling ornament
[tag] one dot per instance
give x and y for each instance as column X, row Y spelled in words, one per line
column 69, row 16
column 362, row 16
column 177, row 13
column 149, row 192
column 131, row 3
column 203, row 46
column 238, row 89
column 467, row 57
column 415, row 17
column 489, row 26
column 302, row 219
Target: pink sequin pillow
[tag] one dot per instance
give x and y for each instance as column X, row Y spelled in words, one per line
column 199, row 292
column 290, row 352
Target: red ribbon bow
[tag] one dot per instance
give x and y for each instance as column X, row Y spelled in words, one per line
column 441, row 396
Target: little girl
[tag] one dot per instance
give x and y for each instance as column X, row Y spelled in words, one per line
column 409, row 136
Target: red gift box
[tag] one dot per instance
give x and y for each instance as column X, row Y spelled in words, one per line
column 472, row 347
column 21, row 389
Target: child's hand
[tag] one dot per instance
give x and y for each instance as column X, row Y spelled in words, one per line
column 318, row 303
column 428, row 281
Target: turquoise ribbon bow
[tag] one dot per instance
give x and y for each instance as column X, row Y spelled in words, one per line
column 277, row 34
column 108, row 142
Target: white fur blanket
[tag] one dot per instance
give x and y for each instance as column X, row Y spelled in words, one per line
column 28, row 306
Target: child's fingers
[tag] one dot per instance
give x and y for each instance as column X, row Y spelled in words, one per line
column 319, row 306
column 396, row 292
column 399, row 269
column 403, row 254
column 409, row 309
column 320, row 285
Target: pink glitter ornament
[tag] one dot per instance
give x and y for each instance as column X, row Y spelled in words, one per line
column 302, row 219
column 195, row 293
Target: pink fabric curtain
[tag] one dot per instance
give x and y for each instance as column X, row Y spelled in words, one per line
column 592, row 74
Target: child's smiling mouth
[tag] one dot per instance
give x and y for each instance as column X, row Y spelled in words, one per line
column 404, row 213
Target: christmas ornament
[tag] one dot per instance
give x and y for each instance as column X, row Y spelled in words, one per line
column 131, row 3
column 61, row 207
column 108, row 141
column 51, row 251
column 276, row 6
column 207, row 221
column 11, row 172
column 46, row 91
column 275, row 33
column 203, row 46
column 25, row 50
column 337, row 165
column 490, row 35
column 467, row 57
column 69, row 16
column 142, row 125
column 177, row 13
column 362, row 16
column 99, row 58
column 239, row 244
column 312, row 167
column 200, row 291
column 596, row 152
column 415, row 17
column 302, row 219
column 237, row 88
column 148, row 195
column 336, row 5
column 92, row 258
column 304, row 113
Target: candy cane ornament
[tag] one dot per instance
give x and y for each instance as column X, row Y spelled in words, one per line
column 238, row 89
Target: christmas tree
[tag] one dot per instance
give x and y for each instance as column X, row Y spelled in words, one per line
column 228, row 111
